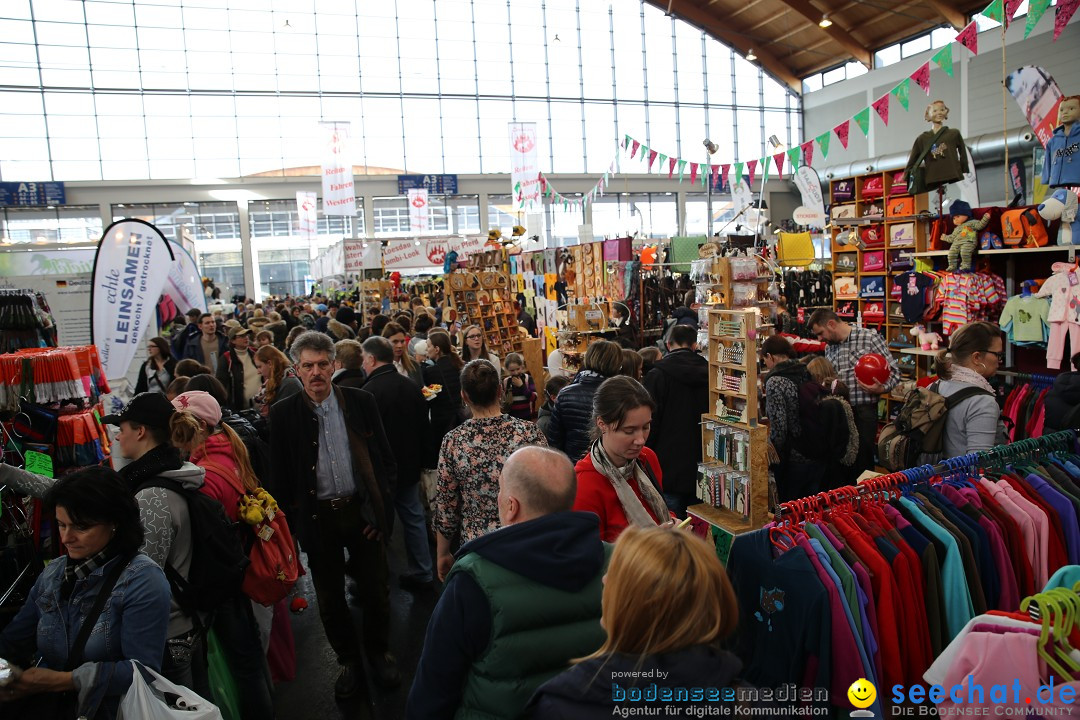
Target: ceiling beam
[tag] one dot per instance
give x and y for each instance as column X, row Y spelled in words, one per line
column 952, row 16
column 720, row 29
column 841, row 36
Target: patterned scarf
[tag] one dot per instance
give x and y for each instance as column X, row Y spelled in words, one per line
column 619, row 478
column 959, row 373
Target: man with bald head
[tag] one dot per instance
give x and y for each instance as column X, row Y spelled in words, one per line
column 519, row 602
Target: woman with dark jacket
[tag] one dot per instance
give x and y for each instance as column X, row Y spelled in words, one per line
column 571, row 418
column 159, row 369
column 1063, row 401
column 667, row 606
column 796, row 475
column 446, row 406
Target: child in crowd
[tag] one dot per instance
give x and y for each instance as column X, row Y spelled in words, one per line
column 551, row 390
column 519, row 391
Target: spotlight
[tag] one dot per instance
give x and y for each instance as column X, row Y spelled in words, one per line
column 750, row 56
column 710, row 146
column 825, row 21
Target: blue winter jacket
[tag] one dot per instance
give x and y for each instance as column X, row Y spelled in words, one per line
column 132, row 626
column 1062, row 163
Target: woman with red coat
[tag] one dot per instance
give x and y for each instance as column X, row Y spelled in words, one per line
column 619, row 478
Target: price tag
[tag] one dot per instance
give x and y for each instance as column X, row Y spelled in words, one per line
column 266, row 533
column 1074, row 279
column 39, row 463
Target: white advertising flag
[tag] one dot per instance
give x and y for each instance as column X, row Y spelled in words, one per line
column 418, row 210
column 339, row 195
column 307, row 206
column 132, row 262
column 184, row 284
column 524, row 167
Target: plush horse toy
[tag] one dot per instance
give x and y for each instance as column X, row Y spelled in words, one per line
column 927, row 341
column 1062, row 205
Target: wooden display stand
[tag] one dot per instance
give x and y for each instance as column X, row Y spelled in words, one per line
column 743, row 503
column 485, row 299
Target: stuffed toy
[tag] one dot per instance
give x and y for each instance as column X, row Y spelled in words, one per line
column 965, row 237
column 927, row 341
column 1062, row 205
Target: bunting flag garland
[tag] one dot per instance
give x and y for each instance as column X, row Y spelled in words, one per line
column 682, row 167
column 1064, row 13
column 671, row 167
column 693, row 173
column 922, row 77
column 1011, row 6
column 652, row 159
column 778, row 158
column 823, row 142
column 881, row 106
column 969, row 38
column 794, row 158
column 902, row 91
column 625, row 142
column 808, row 152
column 634, row 149
column 663, row 159
column 644, row 151
column 738, row 173
column 842, row 131
column 715, row 174
column 994, row 11
column 751, row 169
column 862, row 119
column 1036, row 9
column 724, row 174
column 943, row 58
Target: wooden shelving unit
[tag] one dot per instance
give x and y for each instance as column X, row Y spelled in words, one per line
column 484, row 298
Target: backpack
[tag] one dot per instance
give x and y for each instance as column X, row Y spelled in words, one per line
column 1024, row 227
column 919, row 427
column 218, row 561
column 274, row 566
column 824, row 435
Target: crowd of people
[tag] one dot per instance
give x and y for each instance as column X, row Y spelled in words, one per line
column 545, row 521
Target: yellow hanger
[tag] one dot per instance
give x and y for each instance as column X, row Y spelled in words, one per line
column 1045, row 611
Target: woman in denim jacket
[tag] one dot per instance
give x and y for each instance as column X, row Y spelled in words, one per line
column 99, row 525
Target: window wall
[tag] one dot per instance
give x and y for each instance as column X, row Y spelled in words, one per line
column 67, row 224
column 101, row 89
column 646, row 215
column 447, row 215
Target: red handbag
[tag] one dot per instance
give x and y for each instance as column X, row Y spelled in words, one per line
column 873, row 237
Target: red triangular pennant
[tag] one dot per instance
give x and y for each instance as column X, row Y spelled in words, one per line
column 841, row 131
column 715, row 174
column 634, row 149
column 724, row 174
column 778, row 158
column 881, row 105
column 1063, row 14
column 652, row 158
column 671, row 167
column 922, row 77
column 969, row 38
column 808, row 152
column 1010, row 10
column 751, row 168
column 693, row 173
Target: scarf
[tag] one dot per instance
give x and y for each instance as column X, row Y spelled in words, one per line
column 156, row 461
column 619, row 478
column 959, row 373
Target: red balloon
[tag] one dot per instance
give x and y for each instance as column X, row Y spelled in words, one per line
column 872, row 368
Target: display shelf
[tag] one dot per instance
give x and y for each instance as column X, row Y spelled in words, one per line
column 915, row 351
column 755, row 472
column 1002, row 251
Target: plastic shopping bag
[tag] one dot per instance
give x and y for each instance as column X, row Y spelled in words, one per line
column 152, row 697
column 221, row 680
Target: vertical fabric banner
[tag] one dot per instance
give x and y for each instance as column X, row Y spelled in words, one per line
column 133, row 260
column 339, row 195
column 418, row 210
column 307, row 214
column 184, row 282
column 922, row 77
column 524, row 167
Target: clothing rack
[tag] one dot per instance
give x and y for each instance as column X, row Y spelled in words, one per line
column 1037, row 378
column 998, row 455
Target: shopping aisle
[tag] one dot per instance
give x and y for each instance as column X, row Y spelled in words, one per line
column 311, row 695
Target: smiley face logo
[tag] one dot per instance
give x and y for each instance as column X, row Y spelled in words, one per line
column 862, row 693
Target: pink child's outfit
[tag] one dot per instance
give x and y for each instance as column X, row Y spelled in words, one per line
column 1063, row 289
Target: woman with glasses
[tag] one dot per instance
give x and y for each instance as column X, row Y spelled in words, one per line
column 475, row 348
column 975, row 353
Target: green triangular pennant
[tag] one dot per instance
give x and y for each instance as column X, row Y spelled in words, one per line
column 644, row 152
column 794, row 158
column 738, row 173
column 943, row 58
column 626, row 141
column 902, row 91
column 1036, row 9
column 862, row 119
column 663, row 161
column 823, row 143
column 763, row 163
column 993, row 11
column 682, row 166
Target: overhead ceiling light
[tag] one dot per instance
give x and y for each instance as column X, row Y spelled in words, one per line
column 825, row 21
column 710, row 146
column 750, row 56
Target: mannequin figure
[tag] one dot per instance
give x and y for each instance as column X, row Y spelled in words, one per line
column 940, row 153
column 1062, row 164
column 964, row 237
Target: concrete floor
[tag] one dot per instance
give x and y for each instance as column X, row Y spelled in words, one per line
column 311, row 695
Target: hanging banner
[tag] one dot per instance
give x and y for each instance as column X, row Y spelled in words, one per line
column 339, row 195
column 808, row 182
column 1038, row 96
column 741, row 197
column 184, row 283
column 307, row 214
column 418, row 210
column 362, row 255
column 132, row 262
column 524, row 167
column 968, row 185
column 430, row 252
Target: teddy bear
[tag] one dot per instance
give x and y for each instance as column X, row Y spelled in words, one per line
column 1062, row 205
column 927, row 341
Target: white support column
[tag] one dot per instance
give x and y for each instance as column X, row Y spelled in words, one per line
column 248, row 257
